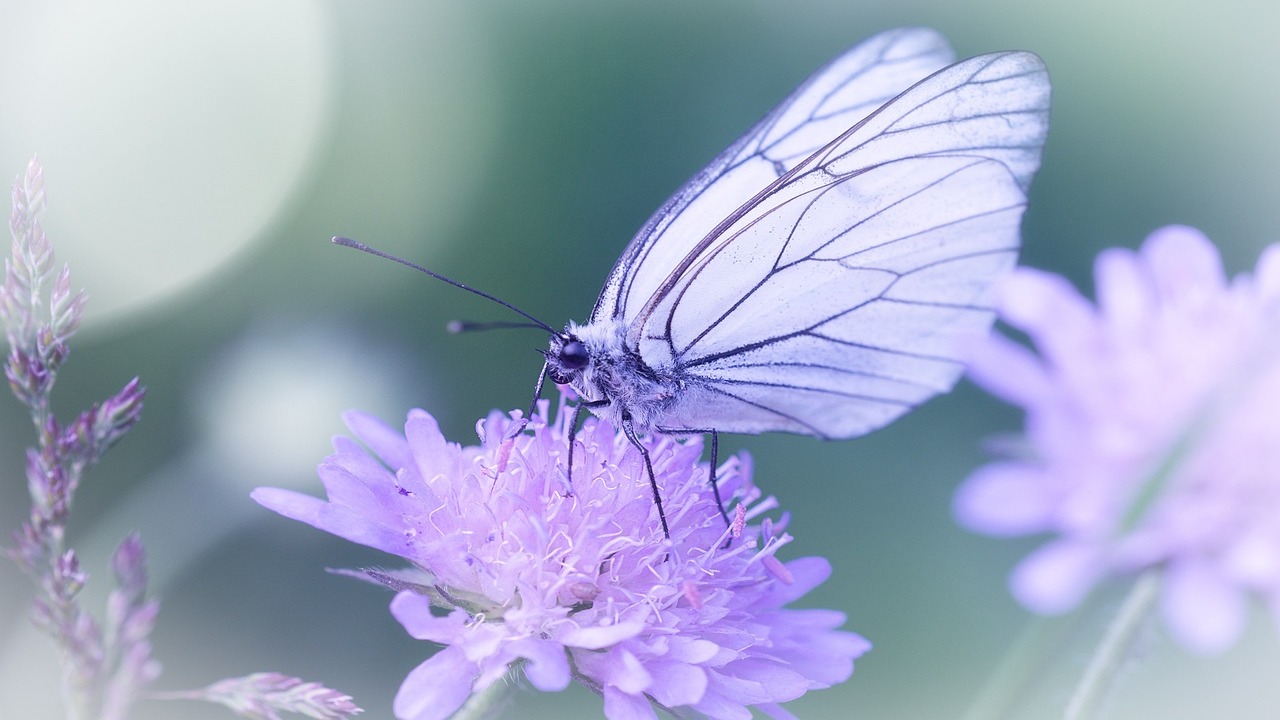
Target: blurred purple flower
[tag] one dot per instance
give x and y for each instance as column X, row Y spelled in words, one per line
column 512, row 568
column 1152, row 429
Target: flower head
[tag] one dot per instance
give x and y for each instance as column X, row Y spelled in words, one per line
column 513, row 567
column 1152, row 430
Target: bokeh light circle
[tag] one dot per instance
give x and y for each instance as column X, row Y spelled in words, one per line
column 170, row 133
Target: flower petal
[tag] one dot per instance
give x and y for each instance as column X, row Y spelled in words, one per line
column 330, row 518
column 429, row 448
column 807, row 573
column 622, row 706
column 723, row 705
column 600, row 636
column 1047, row 308
column 1004, row 499
column 626, row 673
column 616, row 667
column 1267, row 274
column 413, row 612
column 777, row 712
column 363, row 485
column 547, row 667
column 676, row 684
column 1184, row 264
column 437, row 688
column 1008, row 370
column 757, row 680
column 1126, row 296
column 691, row 650
column 1254, row 559
column 808, row 645
column 1205, row 611
column 1055, row 578
column 387, row 443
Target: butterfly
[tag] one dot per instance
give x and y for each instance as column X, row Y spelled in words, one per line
column 815, row 276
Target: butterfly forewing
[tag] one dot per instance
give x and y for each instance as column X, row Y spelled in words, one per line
column 830, row 303
column 825, row 106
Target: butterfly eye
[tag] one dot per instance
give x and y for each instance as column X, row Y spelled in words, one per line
column 573, row 355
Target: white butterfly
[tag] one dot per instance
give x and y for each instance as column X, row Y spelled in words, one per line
column 814, row 277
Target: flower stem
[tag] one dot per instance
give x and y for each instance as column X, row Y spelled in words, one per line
column 488, row 703
column 1100, row 675
column 1012, row 675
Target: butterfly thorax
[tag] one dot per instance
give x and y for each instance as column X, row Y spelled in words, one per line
column 596, row 362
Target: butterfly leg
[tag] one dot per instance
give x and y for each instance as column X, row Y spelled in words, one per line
column 711, row 475
column 573, row 429
column 630, row 430
column 715, row 462
column 715, row 486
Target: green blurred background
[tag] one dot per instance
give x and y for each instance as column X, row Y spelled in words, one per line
column 198, row 156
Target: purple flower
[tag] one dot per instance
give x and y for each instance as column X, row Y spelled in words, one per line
column 1152, row 433
column 512, row 568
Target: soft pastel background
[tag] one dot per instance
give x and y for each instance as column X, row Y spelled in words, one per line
column 199, row 155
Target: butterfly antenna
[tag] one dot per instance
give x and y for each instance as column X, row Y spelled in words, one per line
column 534, row 322
column 461, row 326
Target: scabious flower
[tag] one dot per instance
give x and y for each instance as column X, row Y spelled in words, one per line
column 514, row 568
column 1152, row 433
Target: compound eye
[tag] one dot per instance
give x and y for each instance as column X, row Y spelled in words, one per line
column 573, row 355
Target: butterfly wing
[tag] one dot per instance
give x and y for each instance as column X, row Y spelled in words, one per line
column 830, row 302
column 832, row 100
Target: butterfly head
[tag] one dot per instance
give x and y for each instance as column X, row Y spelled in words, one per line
column 592, row 359
column 567, row 358
column 595, row 360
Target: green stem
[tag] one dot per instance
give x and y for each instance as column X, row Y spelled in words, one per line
column 1012, row 675
column 488, row 703
column 1100, row 675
